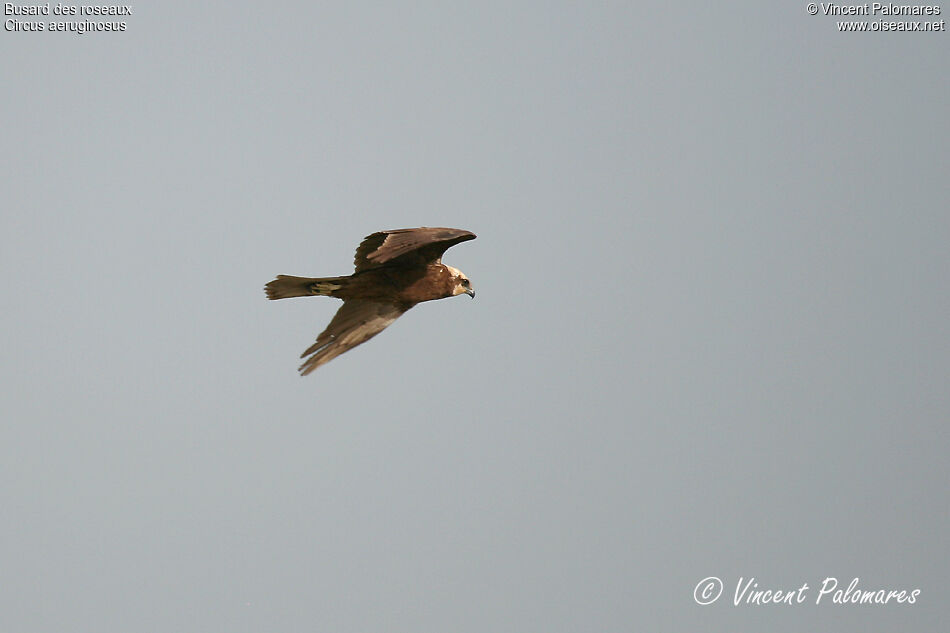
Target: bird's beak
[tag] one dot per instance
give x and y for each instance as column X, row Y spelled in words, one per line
column 470, row 293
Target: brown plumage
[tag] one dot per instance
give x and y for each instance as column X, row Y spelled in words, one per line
column 395, row 270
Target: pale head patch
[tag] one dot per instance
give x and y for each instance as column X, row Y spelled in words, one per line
column 462, row 284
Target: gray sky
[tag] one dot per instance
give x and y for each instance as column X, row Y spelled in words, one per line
column 710, row 337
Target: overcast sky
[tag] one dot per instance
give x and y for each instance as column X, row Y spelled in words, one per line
column 710, row 337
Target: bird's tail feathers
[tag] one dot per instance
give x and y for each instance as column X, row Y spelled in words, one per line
column 289, row 286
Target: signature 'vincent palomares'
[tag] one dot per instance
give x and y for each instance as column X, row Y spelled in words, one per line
column 395, row 270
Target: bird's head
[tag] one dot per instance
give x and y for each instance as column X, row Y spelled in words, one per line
column 462, row 284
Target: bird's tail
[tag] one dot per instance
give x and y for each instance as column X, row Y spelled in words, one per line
column 288, row 286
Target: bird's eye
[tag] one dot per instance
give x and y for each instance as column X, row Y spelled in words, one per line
column 465, row 282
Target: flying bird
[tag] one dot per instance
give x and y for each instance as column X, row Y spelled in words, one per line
column 395, row 270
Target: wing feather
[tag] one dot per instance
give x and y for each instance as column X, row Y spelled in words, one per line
column 354, row 323
column 410, row 247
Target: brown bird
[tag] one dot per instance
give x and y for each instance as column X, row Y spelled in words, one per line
column 395, row 270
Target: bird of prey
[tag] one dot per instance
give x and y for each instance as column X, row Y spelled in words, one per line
column 395, row 270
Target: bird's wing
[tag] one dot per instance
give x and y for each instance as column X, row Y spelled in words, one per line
column 355, row 322
column 411, row 247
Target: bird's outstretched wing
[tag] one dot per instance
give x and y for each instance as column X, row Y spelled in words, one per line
column 409, row 247
column 355, row 322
